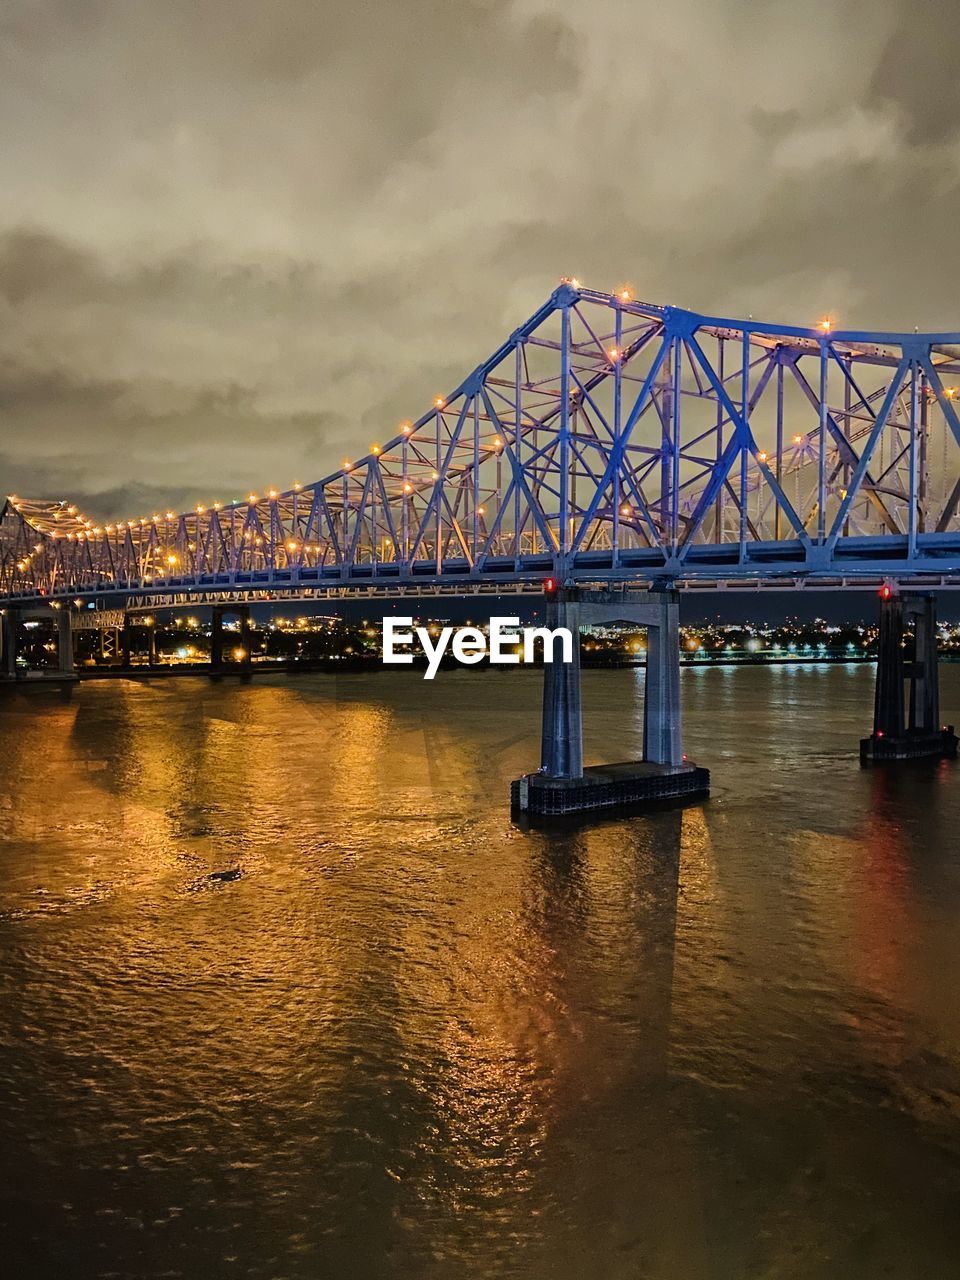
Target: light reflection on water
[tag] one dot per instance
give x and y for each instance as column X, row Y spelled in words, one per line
column 285, row 993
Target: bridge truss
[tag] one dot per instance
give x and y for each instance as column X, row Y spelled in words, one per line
column 607, row 440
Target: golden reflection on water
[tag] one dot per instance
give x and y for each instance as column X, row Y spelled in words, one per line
column 283, row 981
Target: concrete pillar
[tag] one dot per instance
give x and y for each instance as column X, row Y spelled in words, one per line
column 924, row 672
column 11, row 628
column 888, row 700
column 216, row 637
column 561, row 742
column 64, row 641
column 126, row 641
column 662, row 736
column 244, row 614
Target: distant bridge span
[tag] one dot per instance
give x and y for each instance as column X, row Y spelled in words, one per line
column 607, row 441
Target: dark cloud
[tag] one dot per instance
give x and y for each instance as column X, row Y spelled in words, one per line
column 239, row 242
column 918, row 72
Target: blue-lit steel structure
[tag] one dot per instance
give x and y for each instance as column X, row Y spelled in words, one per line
column 607, row 441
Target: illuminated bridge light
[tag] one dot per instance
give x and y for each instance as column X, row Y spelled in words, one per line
column 439, row 403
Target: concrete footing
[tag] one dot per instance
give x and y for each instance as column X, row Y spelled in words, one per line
column 608, row 786
column 909, row 746
column 562, row 785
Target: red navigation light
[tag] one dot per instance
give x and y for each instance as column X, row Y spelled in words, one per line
column 879, row 733
column 550, row 587
column 885, row 591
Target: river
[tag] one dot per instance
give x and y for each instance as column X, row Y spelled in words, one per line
column 284, row 993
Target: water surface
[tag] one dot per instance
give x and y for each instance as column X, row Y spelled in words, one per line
column 284, row 992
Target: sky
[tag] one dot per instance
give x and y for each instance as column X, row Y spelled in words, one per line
column 241, row 240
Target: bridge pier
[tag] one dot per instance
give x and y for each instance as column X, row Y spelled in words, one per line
column 561, row 738
column 65, row 643
column 894, row 736
column 218, row 666
column 126, row 642
column 562, row 785
column 9, row 633
column 662, row 735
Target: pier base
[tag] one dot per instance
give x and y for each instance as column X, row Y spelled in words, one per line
column 562, row 785
column 608, row 786
column 909, row 746
column 918, row 734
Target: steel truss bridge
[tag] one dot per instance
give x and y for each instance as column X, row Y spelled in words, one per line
column 608, row 440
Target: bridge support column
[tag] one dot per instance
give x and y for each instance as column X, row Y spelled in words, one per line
column 218, row 664
column 923, row 734
column 64, row 642
column 924, row 671
column 888, row 695
column 562, row 785
column 247, row 660
column 561, row 739
column 216, row 638
column 662, row 735
column 10, row 633
column 126, row 641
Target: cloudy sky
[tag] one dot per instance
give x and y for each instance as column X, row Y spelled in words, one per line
column 240, row 239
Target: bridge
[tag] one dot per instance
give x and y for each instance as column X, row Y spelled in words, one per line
column 608, row 444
